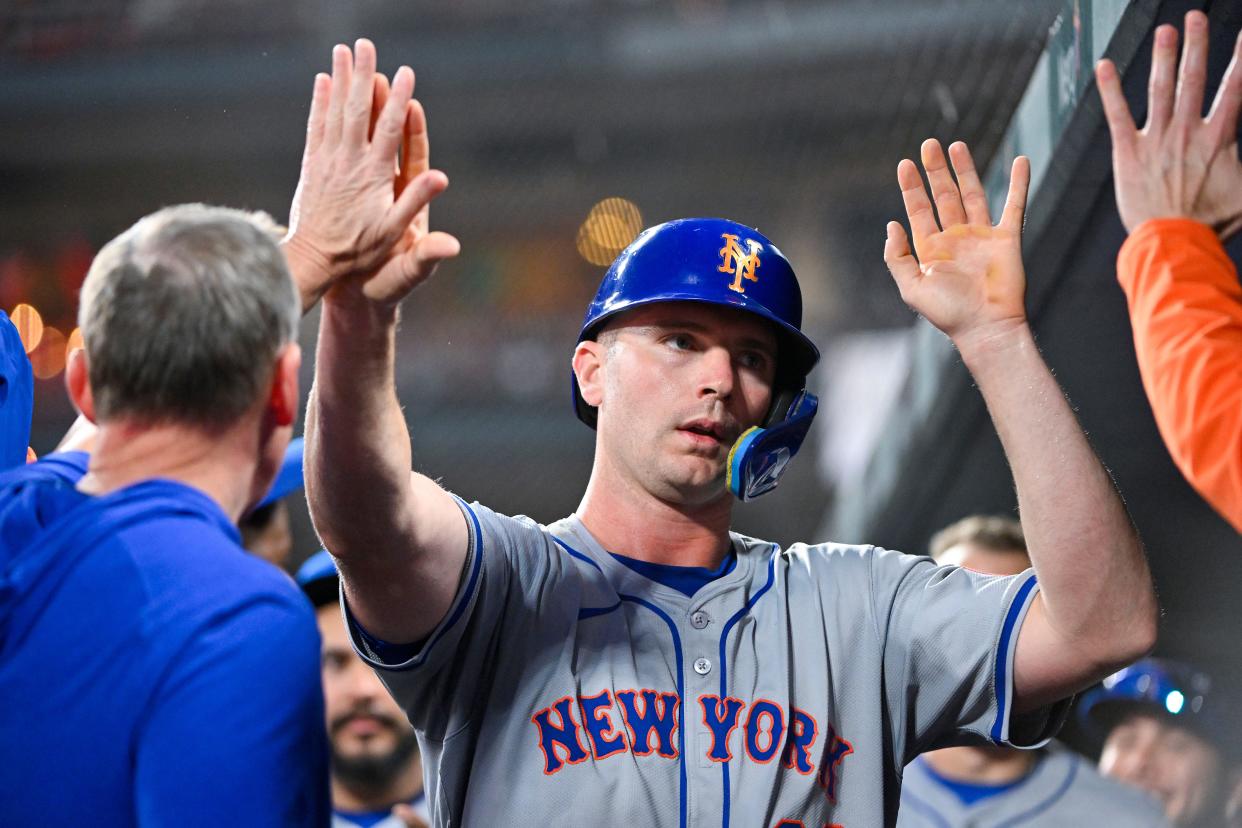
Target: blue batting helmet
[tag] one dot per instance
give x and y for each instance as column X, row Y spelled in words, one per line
column 1167, row 688
column 710, row 260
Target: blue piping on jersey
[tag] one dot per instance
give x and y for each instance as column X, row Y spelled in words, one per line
column 574, row 553
column 592, row 612
column 724, row 673
column 1002, row 656
column 475, row 567
column 681, row 691
column 681, row 695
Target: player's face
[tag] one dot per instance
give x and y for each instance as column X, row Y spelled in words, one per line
column 364, row 723
column 681, row 381
column 1171, row 763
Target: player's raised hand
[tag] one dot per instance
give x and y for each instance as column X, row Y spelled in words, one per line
column 1180, row 164
column 963, row 274
column 359, row 216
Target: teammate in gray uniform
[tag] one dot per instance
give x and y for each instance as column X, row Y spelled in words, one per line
column 639, row 664
column 989, row 785
column 1169, row 732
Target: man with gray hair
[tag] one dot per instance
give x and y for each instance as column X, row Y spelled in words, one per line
column 152, row 672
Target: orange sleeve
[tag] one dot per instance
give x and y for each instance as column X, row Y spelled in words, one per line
column 1186, row 311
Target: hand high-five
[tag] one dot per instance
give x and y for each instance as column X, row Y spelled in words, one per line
column 1180, row 165
column 360, row 214
column 968, row 278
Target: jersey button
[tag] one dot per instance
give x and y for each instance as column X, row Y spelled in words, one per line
column 699, row 620
column 702, row 666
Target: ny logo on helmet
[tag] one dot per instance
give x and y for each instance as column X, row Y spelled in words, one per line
column 736, row 261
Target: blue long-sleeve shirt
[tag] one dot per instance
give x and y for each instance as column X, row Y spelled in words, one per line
column 151, row 672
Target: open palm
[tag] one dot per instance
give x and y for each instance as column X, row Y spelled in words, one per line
column 1180, row 164
column 964, row 274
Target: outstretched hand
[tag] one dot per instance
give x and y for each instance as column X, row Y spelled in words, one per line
column 967, row 279
column 359, row 221
column 1180, row 165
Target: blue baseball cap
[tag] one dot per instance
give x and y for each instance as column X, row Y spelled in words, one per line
column 16, row 395
column 289, row 478
column 318, row 578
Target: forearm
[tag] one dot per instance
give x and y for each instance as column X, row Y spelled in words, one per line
column 1096, row 590
column 1186, row 311
column 358, row 455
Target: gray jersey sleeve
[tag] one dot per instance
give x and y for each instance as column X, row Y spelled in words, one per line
column 508, row 568
column 949, row 637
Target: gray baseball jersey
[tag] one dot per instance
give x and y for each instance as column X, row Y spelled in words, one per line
column 1063, row 790
column 564, row 687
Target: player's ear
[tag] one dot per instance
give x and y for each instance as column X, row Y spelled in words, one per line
column 283, row 395
column 588, row 368
column 78, row 383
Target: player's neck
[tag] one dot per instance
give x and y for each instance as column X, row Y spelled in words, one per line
column 982, row 765
column 636, row 524
column 406, row 784
column 219, row 464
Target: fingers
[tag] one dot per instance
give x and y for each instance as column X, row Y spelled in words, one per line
column 421, row 261
column 415, row 156
column 358, row 106
column 414, row 198
column 391, row 123
column 1192, row 75
column 1224, row 115
column 1015, row 201
column 379, row 97
column 944, row 190
column 416, row 147
column 405, row 272
column 974, row 199
column 1160, row 85
column 435, row 248
column 914, row 196
column 317, row 121
column 342, row 68
column 1116, row 110
column 901, row 264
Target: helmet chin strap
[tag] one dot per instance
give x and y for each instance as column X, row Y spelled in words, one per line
column 762, row 453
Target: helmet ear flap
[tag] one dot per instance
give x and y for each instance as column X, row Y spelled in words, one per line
column 779, row 409
column 761, row 455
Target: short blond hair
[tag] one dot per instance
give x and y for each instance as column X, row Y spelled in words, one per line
column 992, row 532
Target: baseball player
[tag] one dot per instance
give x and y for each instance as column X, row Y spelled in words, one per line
column 377, row 779
column 1166, row 731
column 991, row 785
column 637, row 663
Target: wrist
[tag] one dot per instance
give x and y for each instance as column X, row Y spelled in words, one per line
column 994, row 341
column 345, row 305
column 309, row 268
